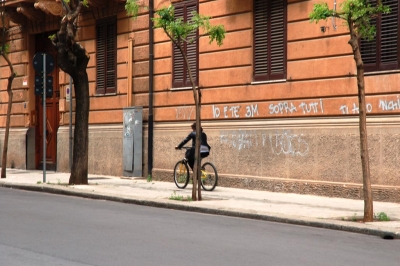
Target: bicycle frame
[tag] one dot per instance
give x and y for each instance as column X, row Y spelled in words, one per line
column 208, row 178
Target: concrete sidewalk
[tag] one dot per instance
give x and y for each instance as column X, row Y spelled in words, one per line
column 332, row 213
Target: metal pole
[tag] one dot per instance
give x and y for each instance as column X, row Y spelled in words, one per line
column 44, row 118
column 70, row 123
column 151, row 84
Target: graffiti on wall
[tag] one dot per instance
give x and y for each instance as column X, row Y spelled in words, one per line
column 295, row 108
column 288, row 107
column 289, row 144
column 184, row 112
column 233, row 111
column 280, row 142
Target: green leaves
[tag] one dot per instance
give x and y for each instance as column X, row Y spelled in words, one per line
column 52, row 36
column 5, row 48
column 178, row 30
column 132, row 8
column 357, row 12
column 217, row 33
column 320, row 12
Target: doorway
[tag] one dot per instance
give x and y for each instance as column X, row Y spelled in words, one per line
column 43, row 44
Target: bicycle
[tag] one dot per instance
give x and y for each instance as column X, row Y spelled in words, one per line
column 209, row 175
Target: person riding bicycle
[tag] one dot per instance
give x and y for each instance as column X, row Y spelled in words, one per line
column 204, row 147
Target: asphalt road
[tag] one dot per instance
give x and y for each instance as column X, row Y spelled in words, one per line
column 45, row 229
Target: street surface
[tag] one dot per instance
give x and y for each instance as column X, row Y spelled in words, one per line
column 45, row 229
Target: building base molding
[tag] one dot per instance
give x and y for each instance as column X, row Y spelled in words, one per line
column 305, row 187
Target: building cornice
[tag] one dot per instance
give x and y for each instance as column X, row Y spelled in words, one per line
column 50, row 7
column 31, row 13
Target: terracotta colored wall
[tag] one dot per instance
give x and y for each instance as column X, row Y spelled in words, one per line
column 296, row 135
column 19, row 58
column 107, row 109
column 320, row 71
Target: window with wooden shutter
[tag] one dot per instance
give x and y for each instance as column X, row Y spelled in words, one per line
column 106, row 53
column 383, row 53
column 269, row 40
column 180, row 72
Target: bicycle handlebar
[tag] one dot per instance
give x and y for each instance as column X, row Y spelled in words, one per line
column 183, row 148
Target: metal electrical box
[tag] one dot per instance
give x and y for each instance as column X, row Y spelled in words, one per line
column 132, row 141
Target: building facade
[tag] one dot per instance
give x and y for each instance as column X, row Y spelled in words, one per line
column 279, row 104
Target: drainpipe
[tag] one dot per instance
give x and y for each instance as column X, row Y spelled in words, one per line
column 151, row 77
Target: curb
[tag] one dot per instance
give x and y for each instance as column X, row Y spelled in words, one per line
column 310, row 222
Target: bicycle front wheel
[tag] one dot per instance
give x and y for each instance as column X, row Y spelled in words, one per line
column 181, row 174
column 209, row 176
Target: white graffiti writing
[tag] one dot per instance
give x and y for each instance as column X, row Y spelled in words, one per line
column 389, row 105
column 355, row 110
column 232, row 111
column 184, row 112
column 283, row 142
column 288, row 144
column 290, row 108
column 239, row 139
column 282, row 108
column 313, row 107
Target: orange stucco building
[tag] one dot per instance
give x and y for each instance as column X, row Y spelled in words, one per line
column 279, row 103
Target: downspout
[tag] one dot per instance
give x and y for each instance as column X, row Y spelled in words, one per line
column 151, row 77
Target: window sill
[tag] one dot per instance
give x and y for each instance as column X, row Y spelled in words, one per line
column 382, row 72
column 105, row 95
column 268, row 81
column 181, row 89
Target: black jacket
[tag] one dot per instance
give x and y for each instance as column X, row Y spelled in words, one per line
column 192, row 136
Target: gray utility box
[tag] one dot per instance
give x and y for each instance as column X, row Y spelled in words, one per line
column 132, row 142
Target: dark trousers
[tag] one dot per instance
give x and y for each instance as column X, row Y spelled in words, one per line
column 190, row 156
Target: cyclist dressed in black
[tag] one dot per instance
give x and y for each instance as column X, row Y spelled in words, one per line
column 204, row 147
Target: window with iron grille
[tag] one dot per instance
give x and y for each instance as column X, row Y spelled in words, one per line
column 106, row 54
column 383, row 53
column 180, row 72
column 269, row 40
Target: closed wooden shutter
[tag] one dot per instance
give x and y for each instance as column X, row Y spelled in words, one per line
column 191, row 48
column 106, row 53
column 382, row 53
column 178, row 61
column 368, row 52
column 111, row 76
column 389, row 33
column 269, row 39
column 180, row 72
column 100, row 59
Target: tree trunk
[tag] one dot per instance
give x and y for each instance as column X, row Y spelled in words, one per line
column 73, row 60
column 8, row 119
column 79, row 170
column 368, row 204
column 197, row 158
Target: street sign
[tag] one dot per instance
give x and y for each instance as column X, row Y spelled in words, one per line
column 38, row 63
column 67, row 94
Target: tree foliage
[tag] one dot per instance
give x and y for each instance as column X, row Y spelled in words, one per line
column 132, row 8
column 178, row 30
column 357, row 12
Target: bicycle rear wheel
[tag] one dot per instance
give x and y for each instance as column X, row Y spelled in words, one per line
column 181, row 174
column 209, row 176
